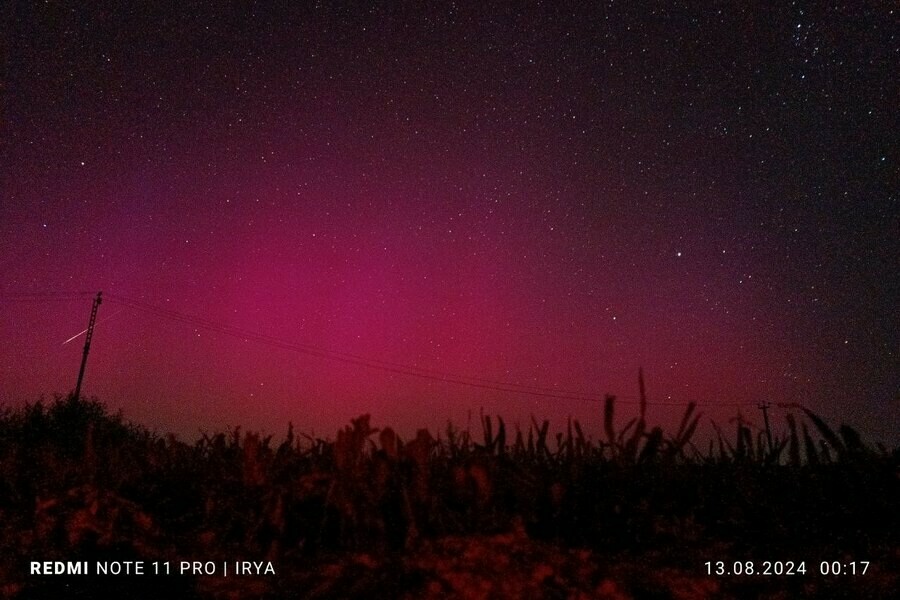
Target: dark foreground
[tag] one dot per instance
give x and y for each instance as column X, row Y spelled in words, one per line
column 632, row 513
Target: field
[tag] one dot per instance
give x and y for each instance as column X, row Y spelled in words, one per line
column 630, row 511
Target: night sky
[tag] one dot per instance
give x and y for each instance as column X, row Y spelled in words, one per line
column 523, row 194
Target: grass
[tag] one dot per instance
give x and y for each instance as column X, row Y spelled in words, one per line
column 78, row 481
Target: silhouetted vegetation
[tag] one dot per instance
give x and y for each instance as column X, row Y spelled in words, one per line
column 378, row 510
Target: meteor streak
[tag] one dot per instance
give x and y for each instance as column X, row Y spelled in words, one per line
column 80, row 333
column 73, row 337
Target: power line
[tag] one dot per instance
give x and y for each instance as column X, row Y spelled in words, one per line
column 43, row 296
column 168, row 313
column 329, row 355
column 348, row 358
column 386, row 366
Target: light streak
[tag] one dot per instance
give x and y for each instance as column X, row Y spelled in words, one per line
column 80, row 333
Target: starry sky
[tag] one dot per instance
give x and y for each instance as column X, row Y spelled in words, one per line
column 419, row 210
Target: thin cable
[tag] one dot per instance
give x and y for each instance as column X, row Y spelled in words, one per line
column 371, row 363
column 266, row 340
column 43, row 296
column 347, row 355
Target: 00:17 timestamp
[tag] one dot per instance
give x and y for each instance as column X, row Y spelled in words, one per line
column 784, row 567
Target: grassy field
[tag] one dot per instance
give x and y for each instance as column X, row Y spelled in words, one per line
column 630, row 511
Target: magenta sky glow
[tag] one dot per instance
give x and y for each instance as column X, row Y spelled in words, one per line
column 552, row 196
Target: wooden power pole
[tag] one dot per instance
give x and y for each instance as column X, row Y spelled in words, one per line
column 87, row 342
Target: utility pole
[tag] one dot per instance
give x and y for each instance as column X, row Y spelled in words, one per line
column 87, row 342
column 764, row 406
